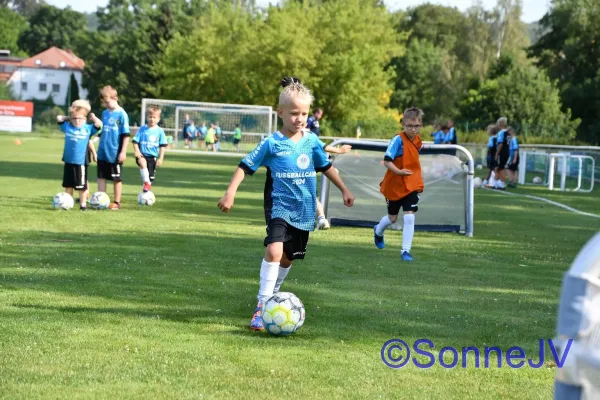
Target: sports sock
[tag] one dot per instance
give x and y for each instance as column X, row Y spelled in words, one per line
column 283, row 272
column 145, row 175
column 268, row 277
column 408, row 231
column 382, row 225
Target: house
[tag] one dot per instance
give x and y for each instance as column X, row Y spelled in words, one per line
column 47, row 74
column 8, row 65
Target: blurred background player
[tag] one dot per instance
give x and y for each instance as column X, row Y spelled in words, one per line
column 492, row 130
column 218, row 134
column 501, row 153
column 112, row 149
column 186, row 138
column 403, row 180
column 293, row 156
column 202, row 134
column 191, row 133
column 77, row 147
column 149, row 144
column 237, row 137
column 513, row 158
column 437, row 135
column 210, row 139
column 312, row 124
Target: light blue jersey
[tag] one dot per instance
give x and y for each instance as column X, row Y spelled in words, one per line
column 149, row 140
column 76, row 142
column 114, row 125
column 203, row 130
column 513, row 146
column 293, row 168
column 438, row 137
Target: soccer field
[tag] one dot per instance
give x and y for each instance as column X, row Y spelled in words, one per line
column 155, row 302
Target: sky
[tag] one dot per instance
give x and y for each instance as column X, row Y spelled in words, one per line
column 533, row 10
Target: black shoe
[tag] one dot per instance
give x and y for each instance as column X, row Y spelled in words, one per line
column 82, row 208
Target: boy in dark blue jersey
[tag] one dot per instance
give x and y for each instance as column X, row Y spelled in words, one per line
column 492, row 130
column 293, row 157
column 513, row 158
column 149, row 146
column 113, row 144
column 77, row 145
column 501, row 153
column 312, row 124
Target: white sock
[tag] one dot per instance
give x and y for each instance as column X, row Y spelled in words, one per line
column 283, row 272
column 500, row 184
column 268, row 277
column 145, row 174
column 408, row 231
column 384, row 223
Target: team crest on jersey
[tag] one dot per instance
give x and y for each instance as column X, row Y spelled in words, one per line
column 303, row 161
column 111, row 121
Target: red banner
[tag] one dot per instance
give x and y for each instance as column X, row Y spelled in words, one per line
column 16, row 108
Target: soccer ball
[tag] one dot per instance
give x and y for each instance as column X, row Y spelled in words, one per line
column 537, row 180
column 99, row 201
column 479, row 166
column 283, row 314
column 477, row 182
column 63, row 201
column 146, row 199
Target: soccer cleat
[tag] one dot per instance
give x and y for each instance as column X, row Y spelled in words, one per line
column 406, row 256
column 323, row 224
column 114, row 206
column 83, row 208
column 256, row 324
column 147, row 187
column 378, row 239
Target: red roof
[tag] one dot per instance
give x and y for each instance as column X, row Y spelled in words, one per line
column 54, row 58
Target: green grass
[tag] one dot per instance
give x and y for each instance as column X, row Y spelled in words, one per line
column 155, row 302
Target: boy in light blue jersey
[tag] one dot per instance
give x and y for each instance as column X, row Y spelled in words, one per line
column 77, row 144
column 293, row 157
column 113, row 144
column 437, row 134
column 513, row 158
column 191, row 132
column 149, row 144
column 203, row 130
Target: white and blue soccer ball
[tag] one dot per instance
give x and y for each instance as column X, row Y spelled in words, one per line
column 99, row 201
column 477, row 182
column 537, row 180
column 146, row 199
column 283, row 314
column 63, row 201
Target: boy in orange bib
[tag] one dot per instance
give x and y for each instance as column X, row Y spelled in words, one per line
column 403, row 180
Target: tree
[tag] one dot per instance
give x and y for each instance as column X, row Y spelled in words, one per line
column 569, row 51
column 50, row 26
column 25, row 8
column 526, row 96
column 72, row 91
column 11, row 26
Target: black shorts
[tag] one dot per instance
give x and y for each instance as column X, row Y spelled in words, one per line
column 491, row 163
column 408, row 203
column 151, row 163
column 513, row 167
column 110, row 171
column 294, row 240
column 236, row 141
column 502, row 163
column 75, row 176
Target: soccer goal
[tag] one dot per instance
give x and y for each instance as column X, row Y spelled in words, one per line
column 256, row 122
column 578, row 328
column 562, row 171
column 446, row 204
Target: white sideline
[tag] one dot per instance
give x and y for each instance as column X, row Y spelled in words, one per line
column 554, row 203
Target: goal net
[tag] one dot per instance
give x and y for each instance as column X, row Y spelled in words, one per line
column 446, row 204
column 564, row 171
column 578, row 328
column 255, row 121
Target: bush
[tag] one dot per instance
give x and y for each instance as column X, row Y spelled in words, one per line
column 48, row 117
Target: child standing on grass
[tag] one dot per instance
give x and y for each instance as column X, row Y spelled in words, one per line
column 77, row 148
column 149, row 143
column 293, row 157
column 112, row 149
column 403, row 180
column 492, row 130
column 513, row 158
column 211, row 139
column 237, row 137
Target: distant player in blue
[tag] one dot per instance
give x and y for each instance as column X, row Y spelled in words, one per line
column 190, row 131
column 437, row 134
column 501, row 153
column 293, row 157
column 492, row 130
column 312, row 124
column 112, row 149
column 149, row 146
column 202, row 130
column 186, row 138
column 451, row 137
column 513, row 158
column 218, row 133
column 77, row 142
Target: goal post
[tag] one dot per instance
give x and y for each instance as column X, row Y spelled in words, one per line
column 447, row 200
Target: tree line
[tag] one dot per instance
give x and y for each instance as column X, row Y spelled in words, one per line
column 364, row 63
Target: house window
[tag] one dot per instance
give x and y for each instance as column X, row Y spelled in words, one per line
column 55, row 87
column 43, row 87
column 24, row 86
